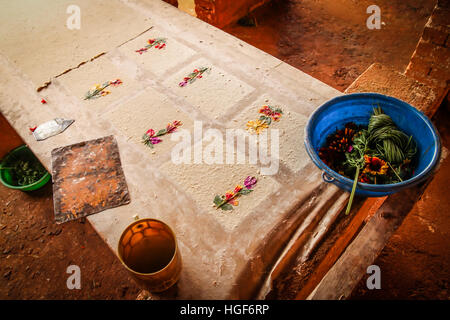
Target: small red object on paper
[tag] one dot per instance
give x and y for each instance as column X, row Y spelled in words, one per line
column 43, row 101
column 32, row 129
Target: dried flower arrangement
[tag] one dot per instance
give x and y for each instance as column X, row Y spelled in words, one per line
column 151, row 138
column 194, row 75
column 227, row 201
column 158, row 43
column 268, row 114
column 99, row 90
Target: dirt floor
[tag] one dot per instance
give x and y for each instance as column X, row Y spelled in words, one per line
column 35, row 253
column 330, row 40
column 326, row 39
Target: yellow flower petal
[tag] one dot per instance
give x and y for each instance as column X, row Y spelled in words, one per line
column 256, row 126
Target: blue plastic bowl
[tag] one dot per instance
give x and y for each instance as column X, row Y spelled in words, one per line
column 358, row 108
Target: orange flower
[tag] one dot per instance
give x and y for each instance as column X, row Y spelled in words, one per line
column 375, row 166
column 275, row 114
column 172, row 127
column 265, row 110
column 363, row 178
column 229, row 197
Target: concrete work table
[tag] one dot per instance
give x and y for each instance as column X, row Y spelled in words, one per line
column 226, row 254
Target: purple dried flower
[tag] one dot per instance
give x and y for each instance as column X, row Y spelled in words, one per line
column 155, row 140
column 182, row 83
column 350, row 148
column 250, row 182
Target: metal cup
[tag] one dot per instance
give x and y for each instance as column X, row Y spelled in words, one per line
column 148, row 249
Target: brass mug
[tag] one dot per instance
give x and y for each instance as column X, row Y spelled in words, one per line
column 148, row 249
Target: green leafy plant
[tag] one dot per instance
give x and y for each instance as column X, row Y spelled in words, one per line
column 25, row 172
column 355, row 159
column 380, row 154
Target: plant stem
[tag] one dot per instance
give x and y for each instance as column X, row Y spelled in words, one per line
column 226, row 201
column 96, row 92
column 394, row 171
column 355, row 182
column 157, row 41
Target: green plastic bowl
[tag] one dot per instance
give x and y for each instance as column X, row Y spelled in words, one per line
column 22, row 152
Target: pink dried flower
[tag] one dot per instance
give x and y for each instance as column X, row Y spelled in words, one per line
column 155, row 140
column 250, row 182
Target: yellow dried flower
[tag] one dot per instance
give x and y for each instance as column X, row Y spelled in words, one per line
column 256, row 126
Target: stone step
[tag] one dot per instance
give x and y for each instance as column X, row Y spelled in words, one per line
column 382, row 79
column 430, row 62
